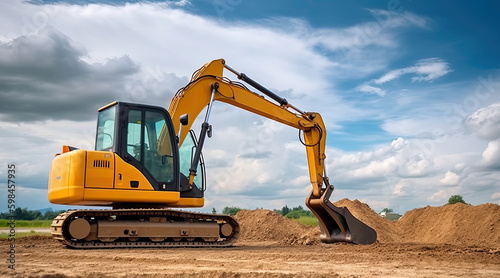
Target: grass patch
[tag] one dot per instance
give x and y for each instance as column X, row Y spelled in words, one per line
column 25, row 234
column 307, row 220
column 393, row 218
column 5, row 223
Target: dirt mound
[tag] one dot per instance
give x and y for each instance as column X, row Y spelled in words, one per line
column 457, row 224
column 386, row 231
column 453, row 224
column 265, row 225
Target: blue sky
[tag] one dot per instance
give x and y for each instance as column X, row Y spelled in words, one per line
column 409, row 91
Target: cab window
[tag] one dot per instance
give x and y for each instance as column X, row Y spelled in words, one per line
column 105, row 129
column 148, row 142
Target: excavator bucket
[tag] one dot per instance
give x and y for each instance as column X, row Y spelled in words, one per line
column 338, row 224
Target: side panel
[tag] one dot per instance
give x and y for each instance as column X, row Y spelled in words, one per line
column 100, row 169
column 67, row 178
column 68, row 174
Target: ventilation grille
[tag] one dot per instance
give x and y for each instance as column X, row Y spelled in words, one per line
column 98, row 163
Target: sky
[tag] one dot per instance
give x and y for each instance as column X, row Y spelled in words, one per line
column 409, row 92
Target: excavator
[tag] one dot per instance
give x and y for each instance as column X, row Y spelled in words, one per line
column 147, row 162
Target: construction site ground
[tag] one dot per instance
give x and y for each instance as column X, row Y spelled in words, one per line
column 457, row 240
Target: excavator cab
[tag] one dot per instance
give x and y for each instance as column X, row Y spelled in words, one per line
column 145, row 138
column 136, row 162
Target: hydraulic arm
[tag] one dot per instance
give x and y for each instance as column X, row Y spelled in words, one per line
column 208, row 85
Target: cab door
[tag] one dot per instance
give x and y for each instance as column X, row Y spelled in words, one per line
column 148, row 143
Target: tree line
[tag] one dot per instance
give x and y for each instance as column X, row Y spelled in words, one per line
column 26, row 214
column 295, row 212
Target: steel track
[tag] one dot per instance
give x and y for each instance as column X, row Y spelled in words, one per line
column 61, row 222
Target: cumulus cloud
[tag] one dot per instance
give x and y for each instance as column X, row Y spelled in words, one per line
column 399, row 188
column 450, row 179
column 485, row 122
column 491, row 155
column 442, row 195
column 42, row 77
column 249, row 160
column 45, row 76
column 495, row 196
column 398, row 158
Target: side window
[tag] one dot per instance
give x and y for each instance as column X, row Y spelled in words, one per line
column 186, row 152
column 149, row 143
column 105, row 129
column 134, row 134
column 158, row 156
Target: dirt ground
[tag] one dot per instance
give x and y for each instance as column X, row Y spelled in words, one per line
column 445, row 241
column 43, row 257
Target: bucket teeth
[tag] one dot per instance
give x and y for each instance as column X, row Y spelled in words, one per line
column 338, row 224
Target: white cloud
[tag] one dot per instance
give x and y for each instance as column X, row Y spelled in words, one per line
column 428, row 69
column 45, row 68
column 495, row 196
column 459, row 167
column 378, row 32
column 425, row 69
column 412, row 126
column 485, row 122
column 397, row 160
column 491, row 155
column 442, row 195
column 399, row 188
column 377, row 205
column 182, row 3
column 372, row 90
column 450, row 179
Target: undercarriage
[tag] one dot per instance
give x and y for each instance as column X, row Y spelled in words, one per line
column 143, row 228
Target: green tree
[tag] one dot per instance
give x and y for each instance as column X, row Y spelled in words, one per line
column 297, row 212
column 214, row 211
column 25, row 214
column 231, row 210
column 456, row 199
column 387, row 210
column 285, row 210
column 52, row 214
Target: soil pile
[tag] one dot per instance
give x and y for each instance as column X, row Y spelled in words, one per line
column 458, row 224
column 386, row 230
column 266, row 225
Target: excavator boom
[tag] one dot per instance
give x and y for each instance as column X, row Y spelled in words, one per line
column 208, row 85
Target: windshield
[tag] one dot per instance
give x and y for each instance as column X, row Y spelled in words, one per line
column 105, row 129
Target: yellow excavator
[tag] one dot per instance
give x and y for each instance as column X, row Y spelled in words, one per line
column 147, row 161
